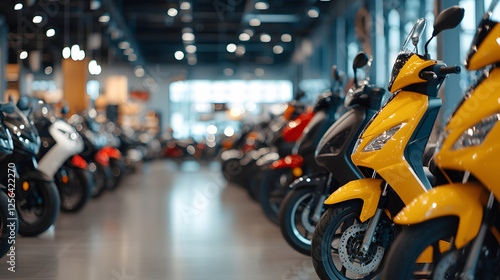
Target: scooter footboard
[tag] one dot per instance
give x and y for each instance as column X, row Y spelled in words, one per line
column 465, row 201
column 368, row 190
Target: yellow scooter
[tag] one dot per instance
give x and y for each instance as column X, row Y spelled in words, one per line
column 352, row 235
column 454, row 231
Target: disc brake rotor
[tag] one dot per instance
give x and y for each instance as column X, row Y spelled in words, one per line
column 349, row 251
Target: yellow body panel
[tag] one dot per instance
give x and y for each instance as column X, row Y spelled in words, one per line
column 488, row 52
column 368, row 190
column 409, row 74
column 465, row 201
column 389, row 162
column 482, row 160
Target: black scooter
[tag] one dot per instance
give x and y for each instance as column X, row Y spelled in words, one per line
column 9, row 223
column 303, row 206
column 37, row 198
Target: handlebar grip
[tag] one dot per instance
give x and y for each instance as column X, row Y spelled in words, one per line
column 449, row 70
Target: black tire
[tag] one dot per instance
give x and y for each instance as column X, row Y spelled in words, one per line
column 117, row 167
column 253, row 188
column 410, row 243
column 76, row 191
column 38, row 207
column 339, row 217
column 272, row 190
column 231, row 169
column 8, row 233
column 102, row 178
column 295, row 233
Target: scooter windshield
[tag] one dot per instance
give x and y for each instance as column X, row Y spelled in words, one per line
column 23, row 131
column 409, row 48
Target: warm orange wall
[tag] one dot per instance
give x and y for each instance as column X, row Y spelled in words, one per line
column 74, row 84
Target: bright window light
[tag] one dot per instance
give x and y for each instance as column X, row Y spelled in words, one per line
column 231, row 48
column 18, row 6
column 50, row 32
column 179, row 55
column 172, row 12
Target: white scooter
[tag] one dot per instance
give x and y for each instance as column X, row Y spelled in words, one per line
column 60, row 144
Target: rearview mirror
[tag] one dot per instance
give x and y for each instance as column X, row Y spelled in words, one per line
column 448, row 19
column 335, row 73
column 23, row 103
column 7, row 108
column 360, row 60
column 65, row 110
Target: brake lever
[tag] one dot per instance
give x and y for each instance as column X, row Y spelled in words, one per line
column 428, row 75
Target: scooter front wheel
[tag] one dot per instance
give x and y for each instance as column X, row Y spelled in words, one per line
column 442, row 263
column 37, row 204
column 9, row 224
column 336, row 242
column 102, row 178
column 272, row 190
column 295, row 223
column 75, row 187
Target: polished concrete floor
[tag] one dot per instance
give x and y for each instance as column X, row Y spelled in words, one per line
column 169, row 221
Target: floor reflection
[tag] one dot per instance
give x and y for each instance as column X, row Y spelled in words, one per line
column 172, row 221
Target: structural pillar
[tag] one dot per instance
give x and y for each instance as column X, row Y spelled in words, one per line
column 75, row 73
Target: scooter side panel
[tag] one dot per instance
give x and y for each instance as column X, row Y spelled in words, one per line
column 466, row 201
column 368, row 190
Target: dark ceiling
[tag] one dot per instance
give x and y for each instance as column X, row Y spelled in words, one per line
column 155, row 36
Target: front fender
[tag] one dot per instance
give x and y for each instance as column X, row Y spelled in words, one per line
column 368, row 190
column 466, row 201
column 306, row 181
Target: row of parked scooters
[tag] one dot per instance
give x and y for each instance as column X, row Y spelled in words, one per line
column 48, row 164
column 359, row 188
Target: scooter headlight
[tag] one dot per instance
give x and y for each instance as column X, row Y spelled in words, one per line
column 475, row 135
column 378, row 142
column 356, row 146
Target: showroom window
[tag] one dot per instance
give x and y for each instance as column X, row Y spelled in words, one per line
column 197, row 104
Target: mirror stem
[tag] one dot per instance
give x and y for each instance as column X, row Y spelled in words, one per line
column 427, row 52
column 355, row 78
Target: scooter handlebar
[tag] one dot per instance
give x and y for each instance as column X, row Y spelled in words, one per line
column 449, row 70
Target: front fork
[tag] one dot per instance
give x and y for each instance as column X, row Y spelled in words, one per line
column 372, row 225
column 316, row 204
column 473, row 257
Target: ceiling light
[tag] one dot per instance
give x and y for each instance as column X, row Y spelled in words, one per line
column 261, row 5
column 265, row 38
column 249, row 32
column 240, row 50
column 259, row 72
column 81, row 55
column 37, row 19
column 190, row 48
column 18, row 6
column 244, row 37
column 75, row 52
column 128, row 51
column 188, row 37
column 231, row 48
column 124, row 45
column 313, row 12
column 104, row 18
column 132, row 57
column 66, row 52
column 48, row 70
column 139, row 72
column 254, row 22
column 278, row 49
column 172, row 12
column 50, row 32
column 192, row 60
column 94, row 68
column 228, row 72
column 23, row 55
column 185, row 6
column 286, row 38
column 179, row 55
